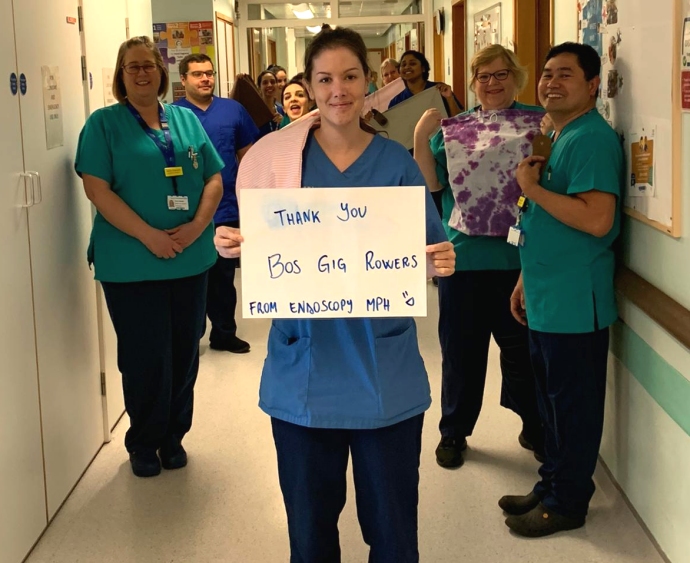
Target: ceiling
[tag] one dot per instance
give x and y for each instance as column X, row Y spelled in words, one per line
column 366, row 31
column 348, row 9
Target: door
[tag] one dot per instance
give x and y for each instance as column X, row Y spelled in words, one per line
column 533, row 39
column 225, row 41
column 104, row 30
column 459, row 23
column 22, row 488
column 439, row 56
column 59, row 227
column 375, row 58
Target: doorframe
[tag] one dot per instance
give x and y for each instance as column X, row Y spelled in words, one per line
column 222, row 19
column 459, row 30
column 530, row 47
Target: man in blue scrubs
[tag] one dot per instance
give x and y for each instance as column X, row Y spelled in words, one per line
column 232, row 133
column 566, row 293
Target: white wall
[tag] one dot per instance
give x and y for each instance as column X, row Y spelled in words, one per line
column 565, row 21
column 140, row 17
column 181, row 10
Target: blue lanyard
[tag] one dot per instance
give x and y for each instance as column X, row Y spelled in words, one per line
column 167, row 148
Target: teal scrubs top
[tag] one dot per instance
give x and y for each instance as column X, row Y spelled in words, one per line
column 567, row 273
column 354, row 373
column 115, row 148
column 472, row 252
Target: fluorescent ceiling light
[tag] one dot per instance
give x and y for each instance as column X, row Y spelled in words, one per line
column 302, row 11
column 314, row 28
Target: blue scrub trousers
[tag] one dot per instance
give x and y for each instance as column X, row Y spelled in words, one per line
column 158, row 326
column 571, row 383
column 312, row 465
column 222, row 297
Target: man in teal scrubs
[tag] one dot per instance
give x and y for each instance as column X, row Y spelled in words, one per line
column 565, row 294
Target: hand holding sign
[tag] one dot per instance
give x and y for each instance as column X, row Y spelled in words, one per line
column 228, row 241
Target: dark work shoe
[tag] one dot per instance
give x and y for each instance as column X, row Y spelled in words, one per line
column 173, row 459
column 525, row 443
column 234, row 345
column 540, row 521
column 145, row 464
column 449, row 452
column 516, row 505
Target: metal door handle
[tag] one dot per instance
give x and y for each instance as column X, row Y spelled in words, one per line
column 28, row 202
column 35, row 175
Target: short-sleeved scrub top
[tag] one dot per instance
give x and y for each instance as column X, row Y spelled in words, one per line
column 567, row 273
column 350, row 373
column 114, row 147
column 472, row 253
column 230, row 129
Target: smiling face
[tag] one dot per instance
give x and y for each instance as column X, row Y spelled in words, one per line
column 281, row 81
column 268, row 86
column 141, row 87
column 495, row 94
column 197, row 84
column 563, row 87
column 338, row 84
column 295, row 101
column 411, row 68
column 389, row 73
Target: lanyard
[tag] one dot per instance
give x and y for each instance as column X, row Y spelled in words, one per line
column 167, row 148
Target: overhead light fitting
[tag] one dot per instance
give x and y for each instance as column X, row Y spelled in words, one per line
column 302, row 11
column 314, row 28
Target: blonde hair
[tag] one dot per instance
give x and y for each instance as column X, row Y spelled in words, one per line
column 488, row 55
column 119, row 90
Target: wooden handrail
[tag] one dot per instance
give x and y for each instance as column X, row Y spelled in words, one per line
column 666, row 312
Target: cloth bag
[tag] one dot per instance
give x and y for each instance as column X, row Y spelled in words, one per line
column 483, row 150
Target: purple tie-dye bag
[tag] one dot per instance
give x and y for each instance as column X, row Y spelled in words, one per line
column 483, row 150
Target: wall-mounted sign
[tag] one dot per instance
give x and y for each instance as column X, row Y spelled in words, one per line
column 22, row 84
column 14, row 84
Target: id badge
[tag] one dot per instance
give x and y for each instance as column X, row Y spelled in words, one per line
column 515, row 236
column 173, row 171
column 178, row 203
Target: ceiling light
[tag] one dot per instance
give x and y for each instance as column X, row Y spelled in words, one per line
column 314, row 28
column 302, row 11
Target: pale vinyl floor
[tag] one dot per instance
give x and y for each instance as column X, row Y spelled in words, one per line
column 227, row 506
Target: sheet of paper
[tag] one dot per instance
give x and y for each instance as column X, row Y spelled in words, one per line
column 333, row 252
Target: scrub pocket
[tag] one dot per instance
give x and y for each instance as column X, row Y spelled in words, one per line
column 402, row 376
column 285, row 378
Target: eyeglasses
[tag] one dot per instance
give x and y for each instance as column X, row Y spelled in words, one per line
column 499, row 75
column 200, row 73
column 135, row 68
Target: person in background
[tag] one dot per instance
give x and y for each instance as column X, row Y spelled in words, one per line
column 389, row 71
column 474, row 301
column 414, row 70
column 281, row 81
column 373, row 79
column 368, row 387
column 152, row 247
column 296, row 100
column 566, row 294
column 232, row 133
column 267, row 84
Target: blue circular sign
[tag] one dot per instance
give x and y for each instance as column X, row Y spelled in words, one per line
column 13, row 84
column 22, row 84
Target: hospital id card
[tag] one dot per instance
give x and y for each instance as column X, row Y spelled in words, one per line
column 178, row 203
column 515, row 236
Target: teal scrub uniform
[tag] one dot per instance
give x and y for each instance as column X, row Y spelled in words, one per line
column 114, row 147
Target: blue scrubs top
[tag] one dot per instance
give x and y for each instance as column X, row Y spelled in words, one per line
column 230, row 129
column 271, row 125
column 350, row 373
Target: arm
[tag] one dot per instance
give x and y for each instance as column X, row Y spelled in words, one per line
column 517, row 302
column 447, row 93
column 122, row 217
column 240, row 153
column 591, row 212
column 422, row 150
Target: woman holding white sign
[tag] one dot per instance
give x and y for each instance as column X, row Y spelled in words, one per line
column 471, row 163
column 336, row 387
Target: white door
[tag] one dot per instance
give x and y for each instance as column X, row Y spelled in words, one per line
column 105, row 28
column 375, row 58
column 223, row 77
column 22, row 489
column 59, row 227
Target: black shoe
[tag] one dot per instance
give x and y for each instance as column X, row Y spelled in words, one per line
column 233, row 344
column 538, row 455
column 449, row 452
column 540, row 522
column 516, row 505
column 175, row 458
column 145, row 464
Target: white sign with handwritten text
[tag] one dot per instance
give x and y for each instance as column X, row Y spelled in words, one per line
column 333, row 252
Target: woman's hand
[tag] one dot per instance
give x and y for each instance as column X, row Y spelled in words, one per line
column 428, row 123
column 227, row 241
column 441, row 258
column 277, row 119
column 445, row 90
column 517, row 303
column 186, row 234
column 161, row 244
column 528, row 174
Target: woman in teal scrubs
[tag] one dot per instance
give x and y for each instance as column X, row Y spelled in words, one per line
column 154, row 177
column 475, row 301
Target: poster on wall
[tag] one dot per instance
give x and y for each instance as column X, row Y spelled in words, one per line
column 52, row 107
column 108, row 77
column 176, row 40
column 685, row 64
column 487, row 27
column 641, row 163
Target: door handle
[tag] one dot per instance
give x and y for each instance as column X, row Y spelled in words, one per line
column 28, row 201
column 36, row 182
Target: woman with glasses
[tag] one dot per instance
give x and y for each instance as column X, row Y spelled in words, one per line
column 154, row 177
column 475, row 301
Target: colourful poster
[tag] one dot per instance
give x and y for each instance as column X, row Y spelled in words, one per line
column 641, row 163
column 176, row 40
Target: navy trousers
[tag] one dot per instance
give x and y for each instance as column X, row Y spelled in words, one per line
column 158, row 326
column 571, row 380
column 312, row 465
column 473, row 306
column 222, row 296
